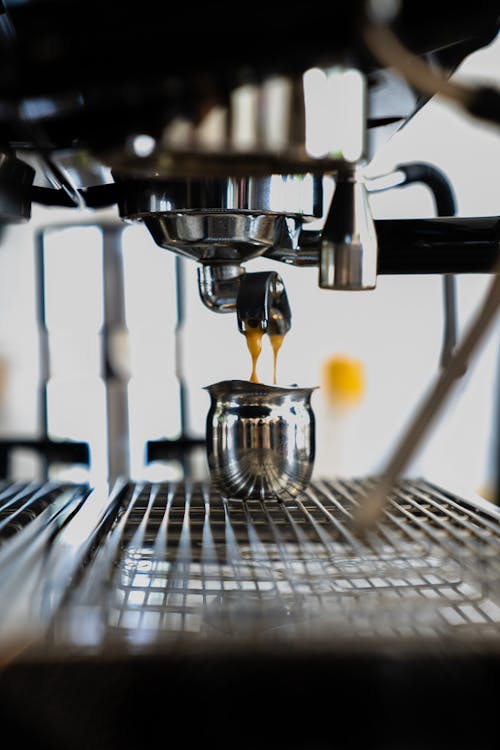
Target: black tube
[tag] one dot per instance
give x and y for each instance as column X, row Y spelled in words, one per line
column 435, row 180
column 51, row 197
column 438, row 246
column 419, row 246
column 444, row 199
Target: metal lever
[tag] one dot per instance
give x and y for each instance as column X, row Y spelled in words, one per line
column 262, row 302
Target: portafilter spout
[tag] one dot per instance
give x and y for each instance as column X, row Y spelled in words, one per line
column 262, row 302
column 218, row 285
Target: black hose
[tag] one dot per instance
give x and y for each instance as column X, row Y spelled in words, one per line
column 444, row 200
column 435, row 180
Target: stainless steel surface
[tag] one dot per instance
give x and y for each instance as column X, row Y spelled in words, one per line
column 224, row 220
column 182, row 564
column 348, row 255
column 228, row 237
column 31, row 515
column 262, row 303
column 259, row 299
column 287, row 194
column 21, row 503
column 160, row 565
column 218, row 285
column 176, row 612
column 260, row 439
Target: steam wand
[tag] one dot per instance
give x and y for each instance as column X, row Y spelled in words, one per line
column 372, row 508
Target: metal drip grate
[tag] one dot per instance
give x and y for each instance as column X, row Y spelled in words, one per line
column 181, row 563
column 21, row 503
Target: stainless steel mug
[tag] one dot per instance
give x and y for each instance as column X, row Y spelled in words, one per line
column 260, row 439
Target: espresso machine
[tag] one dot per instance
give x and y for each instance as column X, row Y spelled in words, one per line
column 353, row 611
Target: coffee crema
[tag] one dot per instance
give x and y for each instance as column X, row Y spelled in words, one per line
column 253, row 335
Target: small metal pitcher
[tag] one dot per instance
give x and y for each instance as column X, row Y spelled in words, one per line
column 260, row 439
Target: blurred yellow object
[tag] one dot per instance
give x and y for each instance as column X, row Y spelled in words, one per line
column 343, row 380
column 487, row 492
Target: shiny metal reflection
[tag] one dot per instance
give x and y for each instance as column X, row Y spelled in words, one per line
column 349, row 246
column 217, row 237
column 260, row 439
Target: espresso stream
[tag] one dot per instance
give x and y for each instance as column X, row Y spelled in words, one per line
column 254, row 344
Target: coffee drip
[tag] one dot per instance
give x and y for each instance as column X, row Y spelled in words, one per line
column 253, row 335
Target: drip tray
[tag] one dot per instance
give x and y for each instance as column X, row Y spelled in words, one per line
column 181, row 565
column 166, row 613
